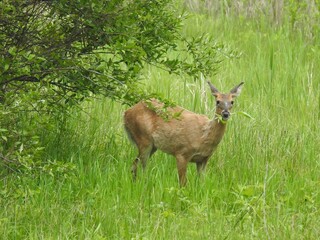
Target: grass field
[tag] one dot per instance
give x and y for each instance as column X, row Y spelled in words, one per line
column 263, row 182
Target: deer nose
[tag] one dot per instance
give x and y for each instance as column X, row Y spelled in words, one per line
column 225, row 115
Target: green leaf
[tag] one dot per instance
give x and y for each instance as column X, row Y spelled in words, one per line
column 245, row 114
column 6, row 67
column 12, row 50
column 21, row 148
column 248, row 191
column 4, row 138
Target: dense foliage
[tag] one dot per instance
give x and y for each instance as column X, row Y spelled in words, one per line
column 54, row 54
column 67, row 50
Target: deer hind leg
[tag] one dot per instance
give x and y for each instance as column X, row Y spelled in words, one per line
column 201, row 166
column 145, row 151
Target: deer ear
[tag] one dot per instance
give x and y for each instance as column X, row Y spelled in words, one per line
column 235, row 92
column 214, row 90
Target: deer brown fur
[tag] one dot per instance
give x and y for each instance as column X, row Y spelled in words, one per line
column 190, row 137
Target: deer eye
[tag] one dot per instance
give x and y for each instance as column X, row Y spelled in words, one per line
column 218, row 102
column 232, row 102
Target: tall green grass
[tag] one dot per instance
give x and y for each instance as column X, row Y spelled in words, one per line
column 262, row 182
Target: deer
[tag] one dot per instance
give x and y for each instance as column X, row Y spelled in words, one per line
column 188, row 136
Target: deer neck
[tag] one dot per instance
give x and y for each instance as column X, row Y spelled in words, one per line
column 217, row 130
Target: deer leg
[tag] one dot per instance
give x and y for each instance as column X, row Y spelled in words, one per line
column 134, row 168
column 144, row 153
column 201, row 166
column 150, row 150
column 182, row 170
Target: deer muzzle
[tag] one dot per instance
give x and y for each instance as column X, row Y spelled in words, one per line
column 225, row 115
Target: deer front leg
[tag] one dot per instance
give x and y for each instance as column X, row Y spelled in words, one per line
column 182, row 169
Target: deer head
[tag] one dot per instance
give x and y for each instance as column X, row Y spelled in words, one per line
column 224, row 102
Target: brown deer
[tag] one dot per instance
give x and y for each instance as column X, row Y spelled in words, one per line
column 188, row 136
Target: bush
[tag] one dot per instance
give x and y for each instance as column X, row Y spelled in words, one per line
column 55, row 54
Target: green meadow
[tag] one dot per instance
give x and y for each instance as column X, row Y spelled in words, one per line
column 263, row 182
